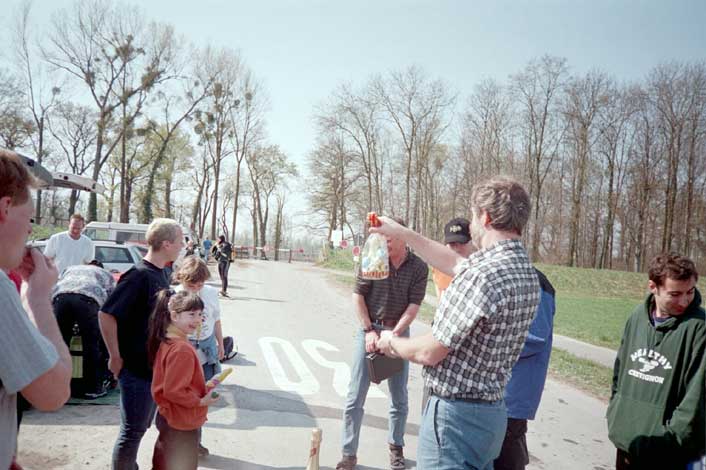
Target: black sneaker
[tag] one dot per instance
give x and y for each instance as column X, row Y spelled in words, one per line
column 94, row 395
column 203, row 452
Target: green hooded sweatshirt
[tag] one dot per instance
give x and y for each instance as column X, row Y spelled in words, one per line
column 656, row 411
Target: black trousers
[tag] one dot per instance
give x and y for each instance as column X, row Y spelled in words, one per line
column 513, row 454
column 83, row 310
column 223, row 267
column 175, row 449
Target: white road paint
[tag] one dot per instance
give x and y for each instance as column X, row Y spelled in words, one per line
column 341, row 371
column 306, row 383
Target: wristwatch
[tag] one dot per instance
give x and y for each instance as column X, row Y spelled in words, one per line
column 368, row 329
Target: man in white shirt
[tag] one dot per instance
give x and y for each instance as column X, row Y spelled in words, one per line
column 70, row 248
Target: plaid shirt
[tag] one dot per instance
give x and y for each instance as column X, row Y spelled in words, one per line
column 483, row 318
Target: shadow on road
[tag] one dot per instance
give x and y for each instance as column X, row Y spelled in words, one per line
column 259, row 299
column 217, row 462
column 253, row 407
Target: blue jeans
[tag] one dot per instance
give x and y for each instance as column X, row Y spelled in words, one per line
column 358, row 391
column 460, row 434
column 137, row 410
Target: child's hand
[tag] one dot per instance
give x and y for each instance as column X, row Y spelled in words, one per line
column 209, row 399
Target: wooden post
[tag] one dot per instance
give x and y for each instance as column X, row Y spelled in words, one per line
column 313, row 463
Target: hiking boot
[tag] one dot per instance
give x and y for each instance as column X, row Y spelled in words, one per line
column 347, row 462
column 396, row 458
column 203, row 452
column 93, row 395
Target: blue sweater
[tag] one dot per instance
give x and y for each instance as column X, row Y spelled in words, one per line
column 524, row 390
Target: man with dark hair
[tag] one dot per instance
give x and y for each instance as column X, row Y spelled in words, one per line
column 656, row 410
column 391, row 305
column 70, row 248
column 478, row 331
column 223, row 252
column 457, row 236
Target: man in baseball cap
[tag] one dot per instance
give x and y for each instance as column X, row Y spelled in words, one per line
column 457, row 236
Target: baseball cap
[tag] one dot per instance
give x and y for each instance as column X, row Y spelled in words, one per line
column 457, row 231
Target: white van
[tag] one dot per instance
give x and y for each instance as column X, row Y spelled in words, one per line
column 116, row 232
column 122, row 232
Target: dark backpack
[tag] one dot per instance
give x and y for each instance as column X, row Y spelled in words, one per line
column 230, row 349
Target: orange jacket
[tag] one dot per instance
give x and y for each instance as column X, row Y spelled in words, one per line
column 441, row 280
column 178, row 384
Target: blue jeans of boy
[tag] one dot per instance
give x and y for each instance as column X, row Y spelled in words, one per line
column 137, row 410
column 459, row 434
column 358, row 391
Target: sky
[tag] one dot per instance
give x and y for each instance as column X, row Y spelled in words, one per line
column 302, row 50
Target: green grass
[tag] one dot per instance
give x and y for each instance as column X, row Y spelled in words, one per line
column 592, row 304
column 582, row 373
column 341, row 260
column 40, row 232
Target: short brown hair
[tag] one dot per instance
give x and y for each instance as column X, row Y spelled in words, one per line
column 673, row 266
column 162, row 230
column 77, row 217
column 15, row 178
column 506, row 202
column 193, row 269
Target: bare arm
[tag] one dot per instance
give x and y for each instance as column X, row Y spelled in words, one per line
column 434, row 253
column 109, row 331
column 406, row 319
column 425, row 349
column 52, row 389
column 361, row 311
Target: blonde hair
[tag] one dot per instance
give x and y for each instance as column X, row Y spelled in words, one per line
column 192, row 270
column 162, row 230
column 506, row 202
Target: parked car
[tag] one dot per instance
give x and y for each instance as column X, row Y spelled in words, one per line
column 116, row 257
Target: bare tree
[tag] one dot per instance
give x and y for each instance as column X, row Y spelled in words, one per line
column 214, row 123
column 40, row 96
column 537, row 89
column 248, row 126
column 103, row 45
column 73, row 129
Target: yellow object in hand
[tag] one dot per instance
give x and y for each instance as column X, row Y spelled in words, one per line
column 217, row 380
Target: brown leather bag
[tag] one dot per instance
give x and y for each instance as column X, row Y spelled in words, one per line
column 381, row 367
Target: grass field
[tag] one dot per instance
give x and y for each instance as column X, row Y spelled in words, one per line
column 592, row 304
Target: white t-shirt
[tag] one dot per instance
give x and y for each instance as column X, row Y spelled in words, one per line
column 211, row 311
column 69, row 252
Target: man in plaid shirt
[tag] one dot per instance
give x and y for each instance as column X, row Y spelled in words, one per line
column 478, row 332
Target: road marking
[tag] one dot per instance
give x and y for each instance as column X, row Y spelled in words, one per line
column 341, row 371
column 307, row 384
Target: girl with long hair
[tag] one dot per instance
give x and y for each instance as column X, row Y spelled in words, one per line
column 178, row 384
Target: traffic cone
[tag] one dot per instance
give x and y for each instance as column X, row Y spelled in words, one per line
column 313, row 463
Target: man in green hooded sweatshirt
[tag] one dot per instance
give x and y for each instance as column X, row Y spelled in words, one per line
column 656, row 411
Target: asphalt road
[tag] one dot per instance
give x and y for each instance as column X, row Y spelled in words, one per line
column 294, row 329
